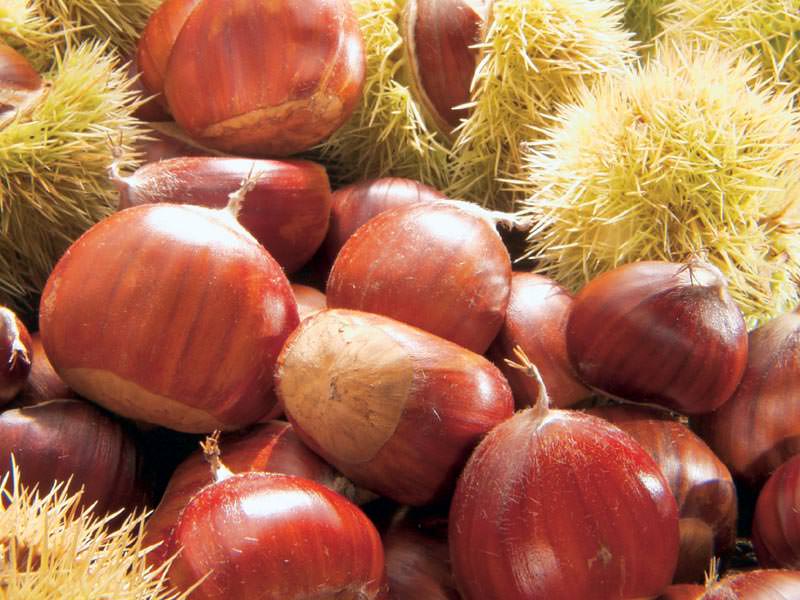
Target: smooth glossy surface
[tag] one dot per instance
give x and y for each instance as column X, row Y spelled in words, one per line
column 276, row 537
column 702, row 485
column 172, row 315
column 258, row 77
column 287, row 210
column 660, row 332
column 16, row 354
column 43, row 383
column 309, row 300
column 536, row 321
column 751, row 433
column 433, row 266
column 394, row 408
column 559, row 506
column 776, row 524
column 683, row 591
column 21, row 86
column 757, row 585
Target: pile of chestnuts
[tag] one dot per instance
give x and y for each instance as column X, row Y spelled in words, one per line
column 402, row 414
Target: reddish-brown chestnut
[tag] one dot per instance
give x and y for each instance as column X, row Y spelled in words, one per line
column 536, row 321
column 309, row 300
column 660, row 332
column 683, row 591
column 395, row 409
column 752, row 433
column 21, row 87
column 355, row 204
column 16, row 354
column 440, row 38
column 756, row 585
column 172, row 315
column 43, row 383
column 61, row 440
column 561, row 505
column 434, row 265
column 776, row 524
column 702, row 485
column 287, row 210
column 262, row 77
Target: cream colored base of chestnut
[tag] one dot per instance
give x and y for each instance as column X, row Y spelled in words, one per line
column 134, row 402
column 346, row 383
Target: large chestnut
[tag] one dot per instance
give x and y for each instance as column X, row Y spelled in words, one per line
column 16, row 354
column 702, row 485
column 396, row 409
column 776, row 524
column 432, row 265
column 287, row 210
column 63, row 440
column 536, row 320
column 661, row 332
column 261, row 77
column 561, row 505
column 753, row 433
column 172, row 315
column 756, row 585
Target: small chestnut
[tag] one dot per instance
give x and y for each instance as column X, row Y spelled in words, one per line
column 756, row 585
column 776, row 524
column 16, row 354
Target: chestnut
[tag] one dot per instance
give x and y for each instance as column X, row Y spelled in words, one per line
column 683, row 591
column 776, row 524
column 43, row 383
column 396, row 409
column 431, row 265
column 659, row 332
column 309, row 300
column 259, row 77
column 16, row 354
column 756, row 585
column 702, row 485
column 536, row 320
column 21, row 86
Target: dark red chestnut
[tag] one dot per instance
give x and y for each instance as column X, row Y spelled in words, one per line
column 702, row 485
column 756, row 585
column 432, row 265
column 536, row 321
column 660, row 332
column 776, row 524
column 16, row 354
column 287, row 210
column 395, row 409
column 753, row 433
column 43, row 383
column 561, row 505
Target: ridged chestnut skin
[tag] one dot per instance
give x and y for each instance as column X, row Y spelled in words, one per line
column 660, row 332
column 434, row 266
column 16, row 354
column 440, row 36
column 62, row 439
column 560, row 505
column 757, row 585
column 536, row 320
column 43, row 382
column 172, row 315
column 702, row 485
column 269, row 447
column 287, row 210
column 418, row 558
column 776, row 524
column 256, row 77
column 752, row 433
column 309, row 300
column 267, row 536
column 355, row 204
column 683, row 591
column 395, row 409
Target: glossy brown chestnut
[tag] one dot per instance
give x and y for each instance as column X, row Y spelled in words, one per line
column 60, row 440
column 287, row 210
column 16, row 355
column 265, row 535
column 43, row 383
column 309, row 300
column 536, row 321
column 21, row 87
column 395, row 409
column 756, row 585
column 560, row 505
column 776, row 524
column 432, row 265
column 270, row 447
column 355, row 204
column 683, row 591
column 660, row 332
column 440, row 38
column 702, row 485
column 255, row 76
column 752, row 433
column 172, row 315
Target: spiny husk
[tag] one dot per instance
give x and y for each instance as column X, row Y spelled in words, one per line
column 53, row 166
column 25, row 28
column 643, row 17
column 768, row 30
column 691, row 153
column 535, row 56
column 50, row 549
column 387, row 134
